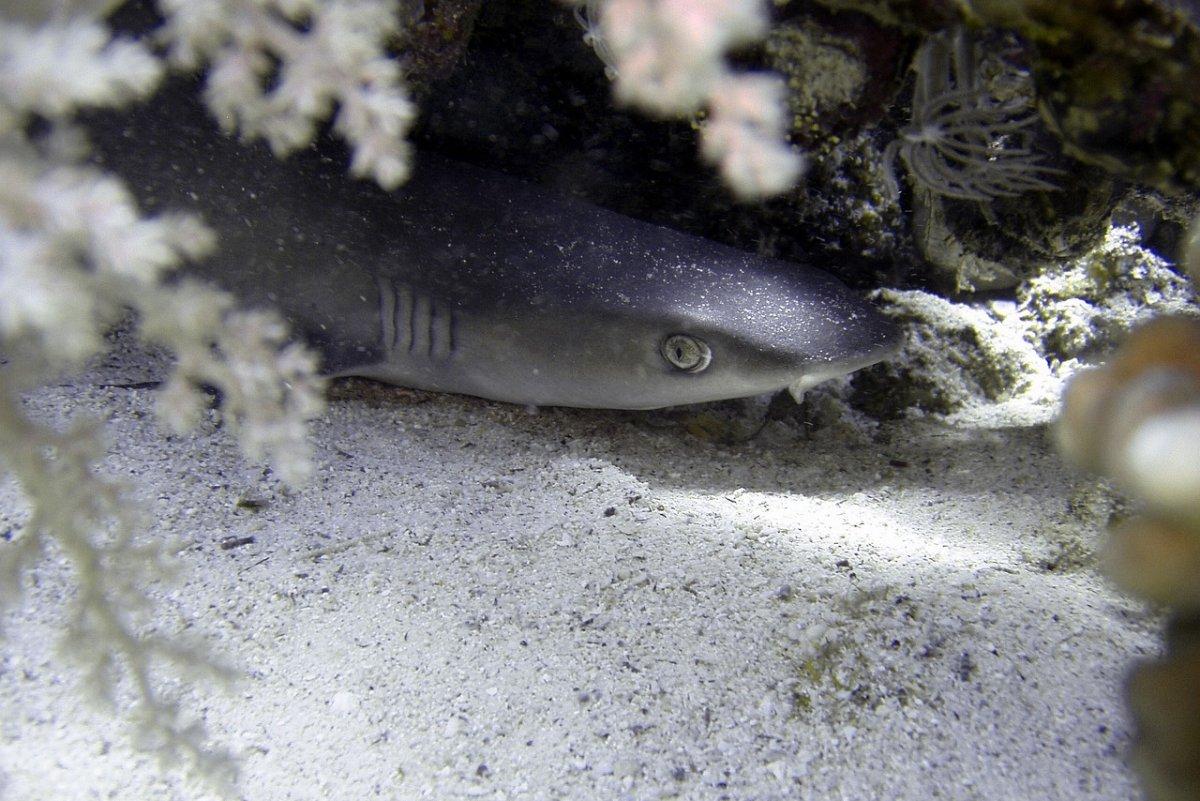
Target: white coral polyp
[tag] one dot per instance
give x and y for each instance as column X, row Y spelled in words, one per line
column 754, row 100
column 328, row 54
column 745, row 137
column 668, row 58
column 42, row 300
column 70, row 201
column 54, row 68
column 713, row 27
column 233, row 91
column 753, row 164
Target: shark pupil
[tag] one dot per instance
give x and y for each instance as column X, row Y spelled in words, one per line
column 686, row 353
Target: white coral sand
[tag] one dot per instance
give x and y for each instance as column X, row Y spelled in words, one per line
column 476, row 601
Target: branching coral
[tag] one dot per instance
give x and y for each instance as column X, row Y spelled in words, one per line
column 667, row 57
column 75, row 256
column 90, row 520
column 317, row 56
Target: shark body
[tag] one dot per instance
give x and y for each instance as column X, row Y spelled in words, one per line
column 465, row 280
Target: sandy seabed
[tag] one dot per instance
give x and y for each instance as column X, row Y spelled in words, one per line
column 474, row 600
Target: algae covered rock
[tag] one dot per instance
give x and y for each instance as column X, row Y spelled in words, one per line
column 1118, row 80
column 1078, row 309
column 954, row 355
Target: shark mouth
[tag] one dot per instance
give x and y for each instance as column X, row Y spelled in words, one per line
column 821, row 372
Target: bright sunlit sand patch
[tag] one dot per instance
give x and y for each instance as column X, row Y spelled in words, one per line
column 474, row 603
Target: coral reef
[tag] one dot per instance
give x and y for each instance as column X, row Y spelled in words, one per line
column 1116, row 80
column 969, row 247
column 969, row 138
column 77, row 255
column 956, row 355
column 963, row 353
column 842, row 73
column 1083, row 305
column 436, row 39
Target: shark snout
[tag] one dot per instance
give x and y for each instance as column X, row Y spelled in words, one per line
column 865, row 338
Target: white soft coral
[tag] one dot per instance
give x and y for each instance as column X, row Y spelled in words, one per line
column 75, row 254
column 320, row 58
column 668, row 58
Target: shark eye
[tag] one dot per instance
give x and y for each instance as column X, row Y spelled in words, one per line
column 686, row 353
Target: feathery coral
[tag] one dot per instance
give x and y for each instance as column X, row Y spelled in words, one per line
column 963, row 142
column 75, row 256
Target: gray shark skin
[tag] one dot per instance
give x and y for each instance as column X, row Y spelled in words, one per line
column 468, row 281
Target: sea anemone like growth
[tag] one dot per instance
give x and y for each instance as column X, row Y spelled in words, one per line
column 963, row 141
column 587, row 14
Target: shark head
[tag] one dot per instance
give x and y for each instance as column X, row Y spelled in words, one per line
column 735, row 327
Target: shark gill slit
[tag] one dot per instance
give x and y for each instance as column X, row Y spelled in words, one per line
column 387, row 314
column 404, row 314
column 412, row 323
column 441, row 331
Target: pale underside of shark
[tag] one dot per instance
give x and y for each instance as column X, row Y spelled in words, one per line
column 469, row 281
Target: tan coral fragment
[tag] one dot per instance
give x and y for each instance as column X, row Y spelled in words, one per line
column 1138, row 418
column 1156, row 559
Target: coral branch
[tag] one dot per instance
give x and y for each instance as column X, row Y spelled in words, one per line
column 316, row 56
column 90, row 520
column 76, row 255
column 667, row 57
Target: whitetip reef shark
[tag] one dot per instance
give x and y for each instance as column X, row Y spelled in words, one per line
column 466, row 280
